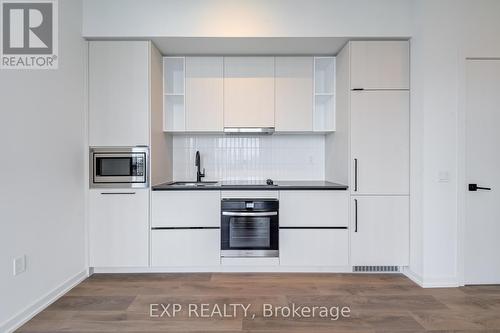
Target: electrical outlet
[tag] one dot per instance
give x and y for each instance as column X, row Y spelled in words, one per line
column 443, row 176
column 19, row 265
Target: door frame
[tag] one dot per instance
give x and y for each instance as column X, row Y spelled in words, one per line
column 462, row 159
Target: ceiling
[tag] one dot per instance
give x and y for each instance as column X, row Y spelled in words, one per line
column 249, row 45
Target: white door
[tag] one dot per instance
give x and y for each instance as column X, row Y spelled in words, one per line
column 294, row 94
column 482, row 226
column 118, row 93
column 204, row 94
column 249, row 91
column 380, row 230
column 380, row 137
column 119, row 228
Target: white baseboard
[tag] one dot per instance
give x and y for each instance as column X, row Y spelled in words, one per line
column 448, row 282
column 224, row 269
column 36, row 307
column 413, row 276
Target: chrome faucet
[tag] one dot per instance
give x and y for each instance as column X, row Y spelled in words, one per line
column 197, row 162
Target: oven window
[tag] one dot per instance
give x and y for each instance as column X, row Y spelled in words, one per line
column 249, row 232
column 114, row 166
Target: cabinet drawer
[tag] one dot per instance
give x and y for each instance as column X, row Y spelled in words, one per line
column 249, row 194
column 314, row 247
column 185, row 247
column 186, row 209
column 314, row 208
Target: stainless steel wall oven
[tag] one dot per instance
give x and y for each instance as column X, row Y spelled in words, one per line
column 249, row 228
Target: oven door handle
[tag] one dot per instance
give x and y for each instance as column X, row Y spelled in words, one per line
column 249, row 213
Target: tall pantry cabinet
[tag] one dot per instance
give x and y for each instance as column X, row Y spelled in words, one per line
column 125, row 109
column 373, row 135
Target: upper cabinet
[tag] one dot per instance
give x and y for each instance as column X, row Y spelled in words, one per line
column 324, row 87
column 174, row 116
column 294, row 94
column 208, row 94
column 249, row 92
column 119, row 93
column 380, row 65
column 204, row 94
column 193, row 94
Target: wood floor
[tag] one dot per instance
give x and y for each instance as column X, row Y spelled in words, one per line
column 378, row 303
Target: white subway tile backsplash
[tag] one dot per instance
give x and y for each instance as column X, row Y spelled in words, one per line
column 284, row 157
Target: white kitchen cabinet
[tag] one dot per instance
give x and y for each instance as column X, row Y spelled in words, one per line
column 294, row 94
column 174, row 103
column 204, row 94
column 380, row 230
column 119, row 93
column 324, row 88
column 248, row 91
column 314, row 208
column 252, row 194
column 380, row 142
column 314, row 247
column 185, row 247
column 380, row 65
column 185, row 209
column 119, row 227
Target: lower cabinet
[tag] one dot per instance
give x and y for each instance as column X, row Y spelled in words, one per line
column 380, row 231
column 314, row 208
column 185, row 209
column 314, row 247
column 185, row 247
column 119, row 228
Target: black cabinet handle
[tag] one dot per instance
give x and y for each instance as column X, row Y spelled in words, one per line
column 355, row 175
column 355, row 215
column 474, row 188
column 117, row 193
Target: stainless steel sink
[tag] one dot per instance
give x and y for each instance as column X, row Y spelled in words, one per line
column 193, row 184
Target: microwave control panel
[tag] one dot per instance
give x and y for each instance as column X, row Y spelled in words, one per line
column 138, row 166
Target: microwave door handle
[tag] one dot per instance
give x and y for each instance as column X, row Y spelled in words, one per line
column 256, row 214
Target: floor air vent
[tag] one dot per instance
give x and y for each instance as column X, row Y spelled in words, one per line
column 375, row 268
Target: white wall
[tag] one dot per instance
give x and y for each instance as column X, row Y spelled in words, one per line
column 42, row 168
column 279, row 157
column 247, row 18
column 446, row 32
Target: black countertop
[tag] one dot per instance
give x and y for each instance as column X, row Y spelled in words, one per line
column 278, row 186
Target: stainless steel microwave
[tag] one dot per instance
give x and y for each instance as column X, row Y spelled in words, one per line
column 119, row 167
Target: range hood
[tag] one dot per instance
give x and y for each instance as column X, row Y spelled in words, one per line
column 249, row 130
